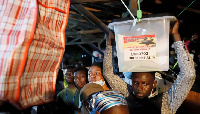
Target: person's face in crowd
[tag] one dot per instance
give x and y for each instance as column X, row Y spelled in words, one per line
column 142, row 84
column 69, row 75
column 195, row 36
column 80, row 78
column 95, row 74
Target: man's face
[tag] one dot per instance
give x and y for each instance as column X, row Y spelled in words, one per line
column 94, row 74
column 69, row 75
column 195, row 36
column 80, row 78
column 142, row 84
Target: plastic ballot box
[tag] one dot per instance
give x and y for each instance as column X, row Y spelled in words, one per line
column 143, row 47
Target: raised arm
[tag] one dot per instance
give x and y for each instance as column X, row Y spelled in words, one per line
column 175, row 96
column 115, row 82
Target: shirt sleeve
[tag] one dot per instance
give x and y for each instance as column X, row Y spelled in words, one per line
column 174, row 97
column 115, row 82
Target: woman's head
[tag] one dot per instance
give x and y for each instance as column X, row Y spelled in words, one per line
column 95, row 72
column 80, row 76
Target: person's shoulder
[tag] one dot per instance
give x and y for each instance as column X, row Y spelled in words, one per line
column 157, row 100
column 61, row 92
column 159, row 96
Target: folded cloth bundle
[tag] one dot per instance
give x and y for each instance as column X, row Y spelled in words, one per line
column 32, row 42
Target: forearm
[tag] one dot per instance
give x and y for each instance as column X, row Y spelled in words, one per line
column 177, row 37
column 115, row 82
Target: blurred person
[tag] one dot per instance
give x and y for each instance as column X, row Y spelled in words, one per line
column 95, row 75
column 97, row 101
column 59, row 81
column 68, row 99
column 194, row 48
column 186, row 42
column 68, row 71
column 143, row 83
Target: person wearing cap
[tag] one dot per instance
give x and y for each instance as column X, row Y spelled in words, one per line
column 143, row 83
column 97, row 101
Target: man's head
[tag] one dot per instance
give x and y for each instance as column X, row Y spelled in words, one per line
column 143, row 83
column 195, row 36
column 80, row 76
column 68, row 72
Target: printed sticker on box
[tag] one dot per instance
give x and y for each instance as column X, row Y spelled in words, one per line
column 141, row 47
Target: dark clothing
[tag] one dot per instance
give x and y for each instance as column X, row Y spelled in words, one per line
column 8, row 108
column 64, row 108
column 144, row 106
column 68, row 101
column 195, row 45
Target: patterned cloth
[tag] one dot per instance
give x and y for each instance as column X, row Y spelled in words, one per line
column 32, row 41
column 107, row 99
column 173, row 98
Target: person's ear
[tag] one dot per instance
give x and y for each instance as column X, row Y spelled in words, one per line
column 154, row 84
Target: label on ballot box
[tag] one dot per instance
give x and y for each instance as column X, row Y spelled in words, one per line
column 140, row 47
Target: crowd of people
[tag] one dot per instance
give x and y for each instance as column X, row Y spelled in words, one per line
column 98, row 90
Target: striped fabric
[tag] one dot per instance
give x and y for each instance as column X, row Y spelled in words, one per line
column 104, row 100
column 31, row 48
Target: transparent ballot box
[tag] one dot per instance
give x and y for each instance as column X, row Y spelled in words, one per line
column 143, row 47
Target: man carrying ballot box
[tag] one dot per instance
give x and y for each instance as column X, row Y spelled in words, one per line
column 143, row 83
